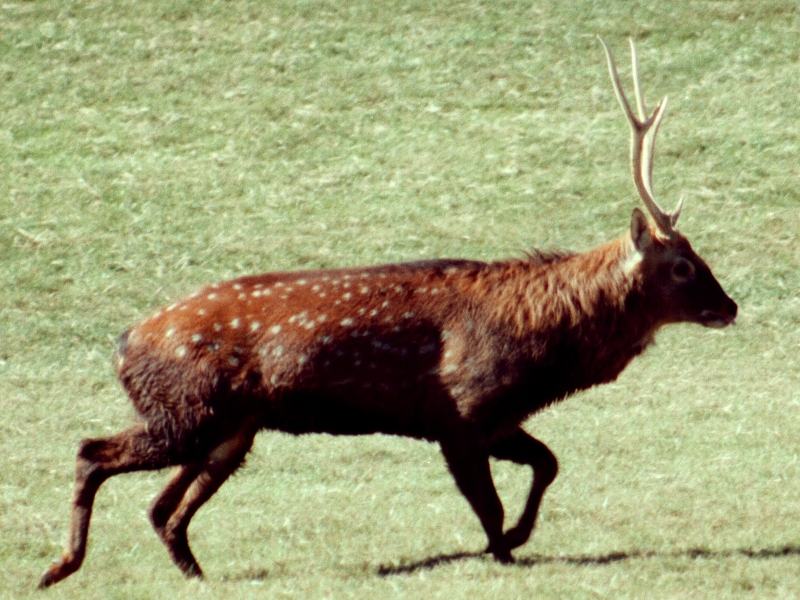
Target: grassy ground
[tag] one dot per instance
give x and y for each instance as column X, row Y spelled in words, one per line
column 149, row 147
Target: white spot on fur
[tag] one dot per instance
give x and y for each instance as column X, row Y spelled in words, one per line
column 169, row 333
column 254, row 326
column 235, row 323
column 233, row 361
column 365, row 290
column 201, row 312
column 299, row 317
column 180, row 351
column 242, row 296
column 347, row 322
column 301, row 282
column 408, row 314
column 277, row 351
column 275, row 329
column 217, row 327
column 347, row 296
column 633, row 259
column 197, row 338
column 302, row 359
column 212, row 296
column 237, row 286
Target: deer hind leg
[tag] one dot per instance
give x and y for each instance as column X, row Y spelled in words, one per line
column 526, row 450
column 167, row 501
column 98, row 459
column 188, row 489
column 469, row 464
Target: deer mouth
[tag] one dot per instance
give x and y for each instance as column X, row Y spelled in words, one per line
column 716, row 320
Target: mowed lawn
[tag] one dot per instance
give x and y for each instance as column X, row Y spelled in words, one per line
column 147, row 148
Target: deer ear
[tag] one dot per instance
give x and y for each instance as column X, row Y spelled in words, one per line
column 640, row 230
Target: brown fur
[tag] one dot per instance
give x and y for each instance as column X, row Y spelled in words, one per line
column 459, row 352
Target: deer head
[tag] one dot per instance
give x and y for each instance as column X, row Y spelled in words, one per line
column 679, row 280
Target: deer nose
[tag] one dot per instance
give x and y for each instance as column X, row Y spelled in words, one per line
column 732, row 308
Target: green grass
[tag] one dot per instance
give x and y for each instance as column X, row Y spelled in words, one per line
column 147, row 148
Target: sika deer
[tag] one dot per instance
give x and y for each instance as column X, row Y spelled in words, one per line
column 455, row 351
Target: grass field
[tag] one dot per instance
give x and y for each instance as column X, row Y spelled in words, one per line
column 150, row 147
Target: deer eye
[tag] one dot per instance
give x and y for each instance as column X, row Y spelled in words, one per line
column 683, row 270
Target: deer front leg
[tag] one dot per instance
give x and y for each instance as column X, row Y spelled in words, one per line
column 469, row 464
column 523, row 449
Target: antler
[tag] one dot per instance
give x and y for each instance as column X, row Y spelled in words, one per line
column 643, row 140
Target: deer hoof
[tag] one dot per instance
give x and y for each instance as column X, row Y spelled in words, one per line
column 502, row 555
column 56, row 572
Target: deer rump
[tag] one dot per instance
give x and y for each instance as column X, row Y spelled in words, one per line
column 455, row 351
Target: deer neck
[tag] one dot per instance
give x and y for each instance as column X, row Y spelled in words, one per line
column 589, row 304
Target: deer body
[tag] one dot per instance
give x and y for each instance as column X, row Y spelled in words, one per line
column 454, row 351
column 404, row 349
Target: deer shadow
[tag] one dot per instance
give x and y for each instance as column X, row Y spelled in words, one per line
column 586, row 559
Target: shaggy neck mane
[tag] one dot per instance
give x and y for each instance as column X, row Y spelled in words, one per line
column 589, row 306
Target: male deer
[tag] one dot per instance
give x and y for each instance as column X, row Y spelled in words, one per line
column 455, row 351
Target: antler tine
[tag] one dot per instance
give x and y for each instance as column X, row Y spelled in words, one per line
column 637, row 88
column 643, row 139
